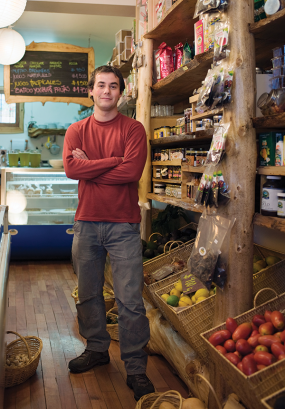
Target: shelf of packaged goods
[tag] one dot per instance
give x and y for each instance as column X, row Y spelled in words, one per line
column 35, row 132
column 268, row 33
column 186, row 204
column 207, row 115
column 270, row 122
column 51, row 196
column 47, row 213
column 192, row 169
column 195, row 138
column 275, row 223
column 126, row 67
column 42, row 181
column 181, row 83
column 171, row 181
column 176, row 26
column 126, row 102
column 176, row 162
column 271, row 170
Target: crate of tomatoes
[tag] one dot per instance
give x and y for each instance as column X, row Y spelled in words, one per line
column 249, row 350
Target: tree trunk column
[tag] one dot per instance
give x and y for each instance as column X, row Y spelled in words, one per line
column 143, row 115
column 239, row 165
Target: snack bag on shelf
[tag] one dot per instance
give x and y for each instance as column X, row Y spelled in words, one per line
column 163, row 61
column 178, row 56
column 187, row 54
column 204, row 6
column 221, row 41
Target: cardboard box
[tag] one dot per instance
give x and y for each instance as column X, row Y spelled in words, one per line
column 199, row 37
column 120, row 35
column 267, row 144
column 120, row 47
column 128, row 42
column 126, row 54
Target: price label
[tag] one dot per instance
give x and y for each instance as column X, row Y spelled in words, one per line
column 190, row 283
column 185, row 68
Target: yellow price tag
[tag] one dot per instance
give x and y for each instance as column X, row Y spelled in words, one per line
column 185, row 68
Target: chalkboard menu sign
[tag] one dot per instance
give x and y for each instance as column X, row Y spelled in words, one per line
column 54, row 73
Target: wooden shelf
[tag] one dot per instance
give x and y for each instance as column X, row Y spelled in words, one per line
column 270, row 122
column 126, row 67
column 186, row 204
column 172, row 181
column 193, row 169
column 268, row 33
column 275, row 223
column 126, row 103
column 181, row 83
column 176, row 162
column 35, row 132
column 196, row 138
column 207, row 114
column 271, row 170
column 177, row 25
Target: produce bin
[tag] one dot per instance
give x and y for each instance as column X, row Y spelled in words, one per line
column 189, row 321
column 250, row 389
column 269, row 402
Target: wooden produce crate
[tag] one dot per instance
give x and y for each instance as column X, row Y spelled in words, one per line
column 250, row 389
column 269, row 402
column 190, row 321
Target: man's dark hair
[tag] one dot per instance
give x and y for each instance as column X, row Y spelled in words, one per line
column 106, row 69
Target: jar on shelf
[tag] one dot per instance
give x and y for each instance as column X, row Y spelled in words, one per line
column 170, row 172
column 49, row 190
column 159, row 188
column 164, row 173
column 190, row 156
column 270, row 190
column 281, row 205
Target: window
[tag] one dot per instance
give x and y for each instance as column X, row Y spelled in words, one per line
column 11, row 116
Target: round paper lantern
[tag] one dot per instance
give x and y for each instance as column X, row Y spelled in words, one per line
column 12, row 46
column 11, row 11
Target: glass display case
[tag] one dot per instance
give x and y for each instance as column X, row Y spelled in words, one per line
column 42, row 204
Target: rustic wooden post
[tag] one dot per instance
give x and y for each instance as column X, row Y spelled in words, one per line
column 239, row 169
column 143, row 115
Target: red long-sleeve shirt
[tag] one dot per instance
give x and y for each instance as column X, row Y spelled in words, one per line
column 108, row 185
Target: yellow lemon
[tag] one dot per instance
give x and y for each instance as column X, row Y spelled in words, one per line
column 175, row 292
column 186, row 299
column 201, row 299
column 211, row 292
column 203, row 292
column 178, row 286
column 193, row 299
column 165, row 296
column 182, row 304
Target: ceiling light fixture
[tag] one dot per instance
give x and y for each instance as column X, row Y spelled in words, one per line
column 11, row 11
column 12, row 46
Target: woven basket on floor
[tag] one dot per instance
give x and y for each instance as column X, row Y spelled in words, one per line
column 113, row 329
column 109, row 302
column 154, row 400
column 30, row 346
column 270, row 401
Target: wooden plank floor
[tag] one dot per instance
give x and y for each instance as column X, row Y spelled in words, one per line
column 40, row 304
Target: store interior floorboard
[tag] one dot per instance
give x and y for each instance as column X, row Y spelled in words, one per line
column 40, row 304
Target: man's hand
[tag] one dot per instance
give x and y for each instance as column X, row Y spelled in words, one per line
column 79, row 154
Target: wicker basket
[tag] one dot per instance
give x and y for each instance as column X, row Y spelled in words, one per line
column 113, row 329
column 269, row 402
column 109, row 302
column 189, row 321
column 251, row 389
column 31, row 346
column 154, row 400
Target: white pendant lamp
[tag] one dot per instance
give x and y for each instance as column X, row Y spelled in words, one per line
column 12, row 46
column 11, row 11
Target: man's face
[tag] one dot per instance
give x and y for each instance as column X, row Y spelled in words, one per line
column 106, row 91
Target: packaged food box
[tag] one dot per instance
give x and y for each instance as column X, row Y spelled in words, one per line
column 267, row 143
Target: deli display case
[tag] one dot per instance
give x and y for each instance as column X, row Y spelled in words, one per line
column 42, row 203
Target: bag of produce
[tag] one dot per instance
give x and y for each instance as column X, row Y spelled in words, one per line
column 163, row 61
column 218, row 144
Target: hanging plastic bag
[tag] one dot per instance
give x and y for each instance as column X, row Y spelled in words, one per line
column 214, row 191
column 212, row 230
column 203, row 102
column 164, row 61
column 218, row 144
column 221, row 41
column 204, row 6
column 187, row 54
column 216, row 94
column 228, row 84
column 178, row 56
column 224, row 192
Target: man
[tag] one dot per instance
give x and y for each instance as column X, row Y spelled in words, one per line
column 106, row 153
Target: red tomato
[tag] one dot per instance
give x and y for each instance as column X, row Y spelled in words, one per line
column 278, row 320
column 217, row 338
column 226, row 334
column 231, row 325
column 253, row 340
column 267, row 340
column 264, row 358
column 233, row 358
column 249, row 365
column 282, row 336
column 261, row 348
column 258, row 320
column 267, row 316
column 238, row 354
column 239, row 366
column 278, row 336
column 230, row 345
column 277, row 349
column 259, row 367
column 266, row 329
column 281, row 357
column 243, row 331
column 243, row 347
column 221, row 349
column 254, row 332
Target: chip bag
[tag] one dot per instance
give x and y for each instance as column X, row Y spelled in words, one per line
column 163, row 61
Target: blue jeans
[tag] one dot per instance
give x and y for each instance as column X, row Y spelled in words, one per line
column 91, row 242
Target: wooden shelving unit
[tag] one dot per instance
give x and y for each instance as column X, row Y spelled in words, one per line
column 181, row 83
column 171, row 181
column 176, row 162
column 126, row 103
column 186, row 204
column 126, row 67
column 275, row 223
column 268, row 34
column 271, row 170
column 270, row 122
column 35, row 132
column 201, row 137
